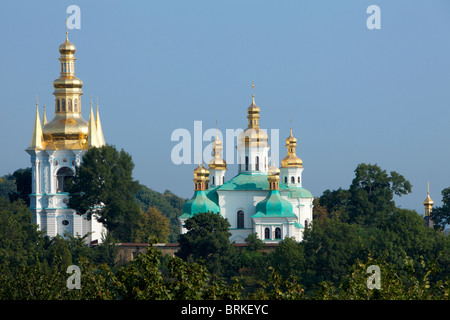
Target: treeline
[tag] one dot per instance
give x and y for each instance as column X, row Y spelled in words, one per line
column 352, row 229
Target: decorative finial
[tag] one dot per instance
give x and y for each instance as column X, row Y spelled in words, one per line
column 37, row 101
column 97, row 102
column 428, row 188
column 253, row 89
column 67, row 30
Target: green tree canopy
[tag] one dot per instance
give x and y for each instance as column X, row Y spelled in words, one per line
column 208, row 239
column 103, row 184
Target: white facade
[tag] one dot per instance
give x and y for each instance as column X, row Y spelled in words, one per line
column 48, row 200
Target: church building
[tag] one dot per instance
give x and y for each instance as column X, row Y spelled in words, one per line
column 56, row 149
column 261, row 198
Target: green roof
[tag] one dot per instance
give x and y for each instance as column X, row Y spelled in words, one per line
column 299, row 225
column 299, row 192
column 211, row 193
column 246, row 181
column 274, row 206
column 198, row 204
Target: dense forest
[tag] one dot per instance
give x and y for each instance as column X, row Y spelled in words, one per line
column 353, row 228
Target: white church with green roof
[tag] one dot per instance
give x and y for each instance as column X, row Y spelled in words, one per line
column 261, row 199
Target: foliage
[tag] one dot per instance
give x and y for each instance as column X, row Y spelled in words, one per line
column 167, row 203
column 208, row 239
column 151, row 226
column 441, row 215
column 103, row 185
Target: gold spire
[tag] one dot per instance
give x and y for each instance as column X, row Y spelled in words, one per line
column 101, row 138
column 92, row 140
column 36, row 138
column 217, row 161
column 44, row 118
column 428, row 203
column 291, row 159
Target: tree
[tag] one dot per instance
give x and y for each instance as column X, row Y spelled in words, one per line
column 22, row 178
column 288, row 258
column 372, row 191
column 207, row 239
column 152, row 226
column 441, row 215
column 103, row 185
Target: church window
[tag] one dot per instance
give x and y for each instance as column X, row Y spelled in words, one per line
column 240, row 219
column 298, row 179
column 65, row 222
column 62, row 176
column 58, row 108
column 292, row 180
column 277, row 233
column 266, row 233
column 306, row 224
column 214, row 181
column 246, row 163
column 69, row 105
column 223, row 180
column 257, row 163
column 63, row 105
column 75, row 105
column 285, row 179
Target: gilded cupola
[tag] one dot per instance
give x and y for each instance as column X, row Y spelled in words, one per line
column 68, row 129
column 428, row 203
column 253, row 135
column 291, row 159
column 217, row 162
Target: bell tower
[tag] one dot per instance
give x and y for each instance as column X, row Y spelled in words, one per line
column 56, row 149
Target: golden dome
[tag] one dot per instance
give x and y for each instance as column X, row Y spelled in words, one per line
column 66, row 131
column 253, row 135
column 273, row 170
column 428, row 201
column 67, row 47
column 291, row 159
column 217, row 161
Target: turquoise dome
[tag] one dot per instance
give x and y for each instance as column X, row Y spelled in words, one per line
column 198, row 204
column 274, row 206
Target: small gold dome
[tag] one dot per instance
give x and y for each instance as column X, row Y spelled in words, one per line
column 67, row 47
column 273, row 170
column 428, row 201
column 291, row 159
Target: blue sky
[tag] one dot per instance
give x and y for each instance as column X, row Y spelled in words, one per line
column 354, row 95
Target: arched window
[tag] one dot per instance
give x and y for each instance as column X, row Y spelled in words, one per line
column 298, row 179
column 285, row 179
column 58, row 108
column 266, row 233
column 240, row 219
column 75, row 105
column 277, row 233
column 292, row 180
column 246, row 163
column 61, row 179
column 213, row 181
column 306, row 224
column 63, row 105
column 257, row 163
column 223, row 180
column 69, row 105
